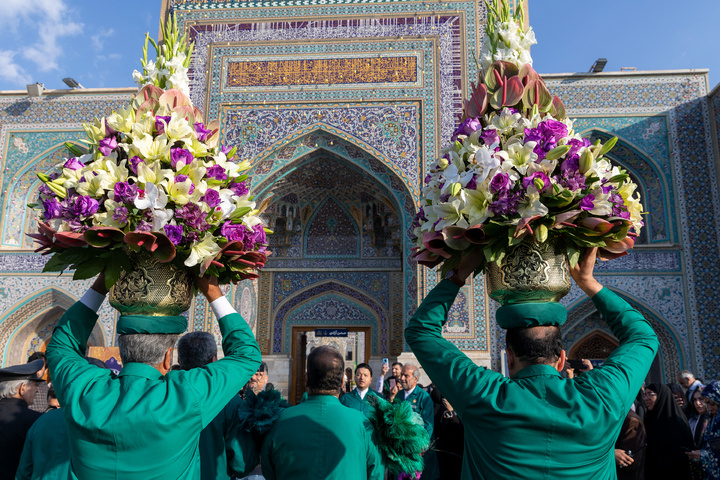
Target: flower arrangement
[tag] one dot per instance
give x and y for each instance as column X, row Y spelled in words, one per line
column 516, row 170
column 153, row 177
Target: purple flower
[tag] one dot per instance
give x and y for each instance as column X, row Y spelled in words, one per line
column 500, row 183
column 83, row 206
column 73, row 164
column 553, row 129
column 160, row 122
column 467, row 127
column 428, row 178
column 527, row 181
column 217, row 172
column 53, row 209
column 472, row 184
column 225, row 150
column 211, row 197
column 607, row 188
column 124, row 192
column 120, row 215
column 174, row 233
column 444, row 198
column 490, row 136
column 571, row 163
column 258, row 238
column 180, row 178
column 134, row 162
column 532, row 135
column 178, row 155
column 234, row 232
column 571, row 179
column 587, row 202
column 506, row 203
column 239, row 188
column 144, row 226
column 107, row 145
column 576, row 145
column 193, row 217
column 45, row 190
column 202, row 132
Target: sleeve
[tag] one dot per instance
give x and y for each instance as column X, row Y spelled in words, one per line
column 266, row 460
column 620, row 377
column 216, row 383
column 453, row 373
column 66, row 350
column 428, row 414
column 25, row 467
column 241, row 450
column 379, row 384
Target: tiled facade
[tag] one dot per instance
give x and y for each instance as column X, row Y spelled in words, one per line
column 341, row 106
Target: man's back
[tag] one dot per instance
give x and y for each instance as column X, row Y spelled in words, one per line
column 321, row 439
column 46, row 454
column 15, row 421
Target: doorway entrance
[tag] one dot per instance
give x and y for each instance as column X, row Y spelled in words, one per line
column 356, row 348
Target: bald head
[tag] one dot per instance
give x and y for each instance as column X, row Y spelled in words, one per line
column 324, row 371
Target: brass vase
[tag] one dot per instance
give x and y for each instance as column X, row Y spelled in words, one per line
column 530, row 272
column 152, row 288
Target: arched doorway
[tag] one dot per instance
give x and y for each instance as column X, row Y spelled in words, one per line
column 340, row 220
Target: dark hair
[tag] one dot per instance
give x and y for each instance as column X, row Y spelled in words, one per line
column 325, row 367
column 196, row 349
column 397, row 363
column 51, row 393
column 535, row 345
column 263, row 367
column 37, row 355
column 365, row 366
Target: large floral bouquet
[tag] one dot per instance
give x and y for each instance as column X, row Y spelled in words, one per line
column 516, row 169
column 153, row 178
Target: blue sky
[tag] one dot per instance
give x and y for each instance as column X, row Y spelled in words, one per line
column 99, row 43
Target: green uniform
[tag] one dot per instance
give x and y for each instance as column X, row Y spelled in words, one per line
column 321, row 439
column 225, row 449
column 537, row 425
column 353, row 400
column 142, row 425
column 423, row 405
column 46, row 454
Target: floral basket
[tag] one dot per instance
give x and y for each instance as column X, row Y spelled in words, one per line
column 152, row 177
column 516, row 169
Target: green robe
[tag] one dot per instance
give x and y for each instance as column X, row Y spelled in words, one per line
column 321, row 439
column 46, row 453
column 225, row 449
column 423, row 405
column 142, row 425
column 537, row 425
column 353, row 400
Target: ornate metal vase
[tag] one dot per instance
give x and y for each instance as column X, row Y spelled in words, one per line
column 152, row 288
column 530, row 272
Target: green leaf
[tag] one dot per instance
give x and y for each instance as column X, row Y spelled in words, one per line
column 573, row 254
column 608, row 145
column 56, row 264
column 619, row 178
column 89, row 268
column 75, row 150
column 239, row 213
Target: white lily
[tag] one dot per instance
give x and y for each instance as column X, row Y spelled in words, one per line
column 122, row 120
column 520, row 156
column 178, row 128
column 151, row 148
column 486, row 162
column 531, row 204
column 448, row 213
column 476, row 205
column 94, row 184
column 202, row 250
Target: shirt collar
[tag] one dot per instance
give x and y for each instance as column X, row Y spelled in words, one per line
column 140, row 370
column 362, row 393
column 536, row 371
column 322, row 398
column 409, row 392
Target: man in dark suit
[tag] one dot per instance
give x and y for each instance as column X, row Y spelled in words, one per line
column 18, row 386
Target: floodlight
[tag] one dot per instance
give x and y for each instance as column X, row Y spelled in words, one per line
column 599, row 65
column 72, row 83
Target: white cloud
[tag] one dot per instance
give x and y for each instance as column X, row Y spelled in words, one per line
column 98, row 40
column 49, row 20
column 11, row 71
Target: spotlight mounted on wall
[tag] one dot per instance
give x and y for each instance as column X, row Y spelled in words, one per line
column 35, row 89
column 599, row 65
column 72, row 83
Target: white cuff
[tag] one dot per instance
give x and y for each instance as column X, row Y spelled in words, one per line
column 222, row 307
column 93, row 300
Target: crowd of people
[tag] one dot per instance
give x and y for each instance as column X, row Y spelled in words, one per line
column 68, row 416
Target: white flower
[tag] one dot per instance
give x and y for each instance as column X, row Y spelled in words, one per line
column 476, row 205
column 531, row 204
column 521, row 156
column 448, row 213
column 150, row 147
column 200, row 251
column 486, row 162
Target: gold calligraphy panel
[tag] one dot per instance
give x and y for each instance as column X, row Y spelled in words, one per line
column 278, row 73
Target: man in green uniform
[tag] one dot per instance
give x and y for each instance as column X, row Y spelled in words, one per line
column 145, row 423
column 423, row 405
column 225, row 449
column 536, row 424
column 359, row 397
column 320, row 438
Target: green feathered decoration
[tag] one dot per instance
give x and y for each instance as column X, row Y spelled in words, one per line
column 258, row 412
column 400, row 435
